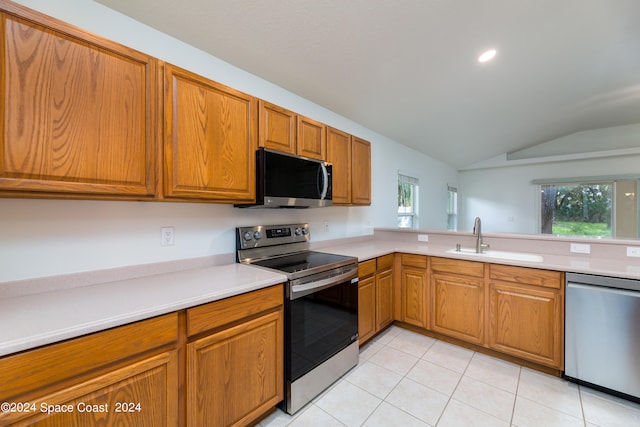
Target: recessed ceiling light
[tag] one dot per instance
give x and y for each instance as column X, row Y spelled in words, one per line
column 487, row 56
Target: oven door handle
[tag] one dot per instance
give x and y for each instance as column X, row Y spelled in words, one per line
column 298, row 291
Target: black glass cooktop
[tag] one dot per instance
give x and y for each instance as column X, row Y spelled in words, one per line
column 302, row 261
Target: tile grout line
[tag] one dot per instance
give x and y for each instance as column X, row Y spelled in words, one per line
column 384, row 399
column 584, row 417
column 381, row 346
column 404, row 376
column 320, row 408
column 455, row 388
column 515, row 399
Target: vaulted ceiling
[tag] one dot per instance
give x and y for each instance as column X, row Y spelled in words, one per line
column 408, row 69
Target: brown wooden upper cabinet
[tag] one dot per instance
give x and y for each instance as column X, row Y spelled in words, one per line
column 82, row 117
column 277, row 128
column 360, row 171
column 312, row 139
column 78, row 112
column 210, row 139
column 288, row 132
column 351, row 160
column 339, row 155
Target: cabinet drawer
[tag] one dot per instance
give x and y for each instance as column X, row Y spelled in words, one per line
column 60, row 362
column 528, row 276
column 468, row 268
column 411, row 260
column 384, row 262
column 367, row 268
column 229, row 310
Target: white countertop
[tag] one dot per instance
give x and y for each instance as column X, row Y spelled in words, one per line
column 42, row 318
column 624, row 267
column 33, row 320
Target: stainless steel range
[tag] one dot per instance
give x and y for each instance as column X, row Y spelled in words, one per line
column 321, row 307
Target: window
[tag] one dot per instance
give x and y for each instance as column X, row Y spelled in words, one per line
column 590, row 207
column 407, row 201
column 452, row 208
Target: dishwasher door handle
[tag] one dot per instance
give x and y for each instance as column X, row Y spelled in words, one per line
column 612, row 291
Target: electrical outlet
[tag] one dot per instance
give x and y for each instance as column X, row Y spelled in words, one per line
column 423, row 237
column 167, row 236
column 580, row 248
column 633, row 251
column 326, row 226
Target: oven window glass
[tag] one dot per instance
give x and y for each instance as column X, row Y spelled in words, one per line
column 321, row 324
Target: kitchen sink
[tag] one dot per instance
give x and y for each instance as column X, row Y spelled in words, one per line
column 515, row 256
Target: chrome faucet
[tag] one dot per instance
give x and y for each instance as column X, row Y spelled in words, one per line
column 477, row 231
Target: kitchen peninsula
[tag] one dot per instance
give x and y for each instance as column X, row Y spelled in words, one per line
column 45, row 317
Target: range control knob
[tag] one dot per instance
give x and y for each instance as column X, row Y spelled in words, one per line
column 247, row 236
column 298, row 231
column 305, row 231
column 257, row 235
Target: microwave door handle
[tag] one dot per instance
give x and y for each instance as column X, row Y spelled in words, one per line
column 325, row 181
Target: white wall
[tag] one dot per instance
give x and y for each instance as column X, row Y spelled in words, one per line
column 47, row 237
column 505, row 199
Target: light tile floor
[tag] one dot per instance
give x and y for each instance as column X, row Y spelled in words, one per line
column 407, row 379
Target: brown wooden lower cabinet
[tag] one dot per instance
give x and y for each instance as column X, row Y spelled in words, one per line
column 384, row 298
column 366, row 308
column 218, row 364
column 236, row 375
column 235, row 358
column 414, row 284
column 126, row 376
column 375, row 296
column 142, row 394
column 513, row 310
column 525, row 320
column 457, row 299
column 458, row 307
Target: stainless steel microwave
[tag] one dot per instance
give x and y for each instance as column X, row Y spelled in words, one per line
column 288, row 181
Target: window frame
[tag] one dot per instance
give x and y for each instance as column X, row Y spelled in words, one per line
column 412, row 215
column 452, row 208
column 599, row 180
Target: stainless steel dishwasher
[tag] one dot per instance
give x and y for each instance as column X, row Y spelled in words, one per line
column 602, row 335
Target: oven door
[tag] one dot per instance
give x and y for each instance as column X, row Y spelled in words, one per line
column 321, row 319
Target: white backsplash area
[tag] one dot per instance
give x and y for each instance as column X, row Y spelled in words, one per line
column 40, row 238
column 50, row 237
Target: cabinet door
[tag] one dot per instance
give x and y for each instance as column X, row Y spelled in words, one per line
column 457, row 307
column 414, row 285
column 384, row 299
column 366, row 309
column 339, row 155
column 28, row 373
column 526, row 322
column 277, row 128
column 360, row 171
column 236, row 375
column 79, row 113
column 141, row 394
column 312, row 139
column 210, row 139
